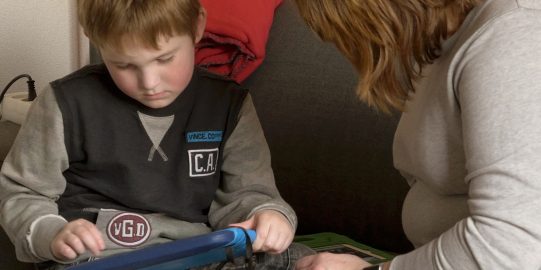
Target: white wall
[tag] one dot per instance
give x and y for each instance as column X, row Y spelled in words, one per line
column 41, row 38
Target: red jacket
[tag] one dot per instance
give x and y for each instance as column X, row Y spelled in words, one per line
column 235, row 37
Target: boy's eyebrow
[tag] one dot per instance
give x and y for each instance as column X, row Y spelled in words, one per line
column 172, row 51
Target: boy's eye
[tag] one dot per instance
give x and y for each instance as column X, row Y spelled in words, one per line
column 165, row 59
column 123, row 66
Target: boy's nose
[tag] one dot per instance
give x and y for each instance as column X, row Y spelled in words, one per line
column 149, row 80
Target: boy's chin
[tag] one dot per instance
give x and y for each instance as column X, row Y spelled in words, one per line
column 156, row 104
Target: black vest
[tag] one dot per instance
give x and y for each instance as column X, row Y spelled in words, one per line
column 114, row 163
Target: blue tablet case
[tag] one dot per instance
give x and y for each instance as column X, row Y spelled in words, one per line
column 180, row 254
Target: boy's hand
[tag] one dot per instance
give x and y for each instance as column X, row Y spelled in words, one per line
column 274, row 232
column 75, row 238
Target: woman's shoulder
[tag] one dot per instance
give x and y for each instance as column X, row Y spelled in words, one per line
column 501, row 14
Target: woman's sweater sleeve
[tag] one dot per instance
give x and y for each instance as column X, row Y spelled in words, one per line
column 498, row 86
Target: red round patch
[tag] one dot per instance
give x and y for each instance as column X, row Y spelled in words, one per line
column 128, row 229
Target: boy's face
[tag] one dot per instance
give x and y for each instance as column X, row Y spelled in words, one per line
column 153, row 77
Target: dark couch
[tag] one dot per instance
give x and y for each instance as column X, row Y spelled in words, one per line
column 331, row 154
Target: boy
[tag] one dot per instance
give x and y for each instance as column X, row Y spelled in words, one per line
column 140, row 150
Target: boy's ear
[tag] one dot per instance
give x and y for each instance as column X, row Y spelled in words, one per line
column 201, row 23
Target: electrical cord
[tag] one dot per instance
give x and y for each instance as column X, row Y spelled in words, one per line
column 31, row 87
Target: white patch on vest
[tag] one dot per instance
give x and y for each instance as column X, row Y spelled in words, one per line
column 203, row 162
column 156, row 128
column 128, row 229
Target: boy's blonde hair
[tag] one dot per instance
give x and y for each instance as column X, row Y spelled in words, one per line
column 107, row 23
column 388, row 41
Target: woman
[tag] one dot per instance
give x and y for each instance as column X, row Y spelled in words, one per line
column 466, row 75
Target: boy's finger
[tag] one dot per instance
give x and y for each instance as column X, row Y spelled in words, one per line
column 66, row 252
column 270, row 243
column 247, row 224
column 258, row 243
column 261, row 238
column 279, row 244
column 75, row 243
column 98, row 237
column 90, row 242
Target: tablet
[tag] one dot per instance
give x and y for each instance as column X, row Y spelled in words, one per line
column 180, row 254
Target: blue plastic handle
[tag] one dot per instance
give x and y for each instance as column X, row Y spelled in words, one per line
column 179, row 254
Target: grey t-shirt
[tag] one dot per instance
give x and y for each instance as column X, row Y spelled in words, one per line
column 468, row 145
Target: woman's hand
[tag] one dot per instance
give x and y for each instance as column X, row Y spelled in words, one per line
column 331, row 261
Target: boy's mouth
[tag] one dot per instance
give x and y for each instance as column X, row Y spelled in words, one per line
column 155, row 96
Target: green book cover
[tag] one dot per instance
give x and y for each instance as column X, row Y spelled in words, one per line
column 336, row 243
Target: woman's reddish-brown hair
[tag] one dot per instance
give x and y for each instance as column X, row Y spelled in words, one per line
column 387, row 41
